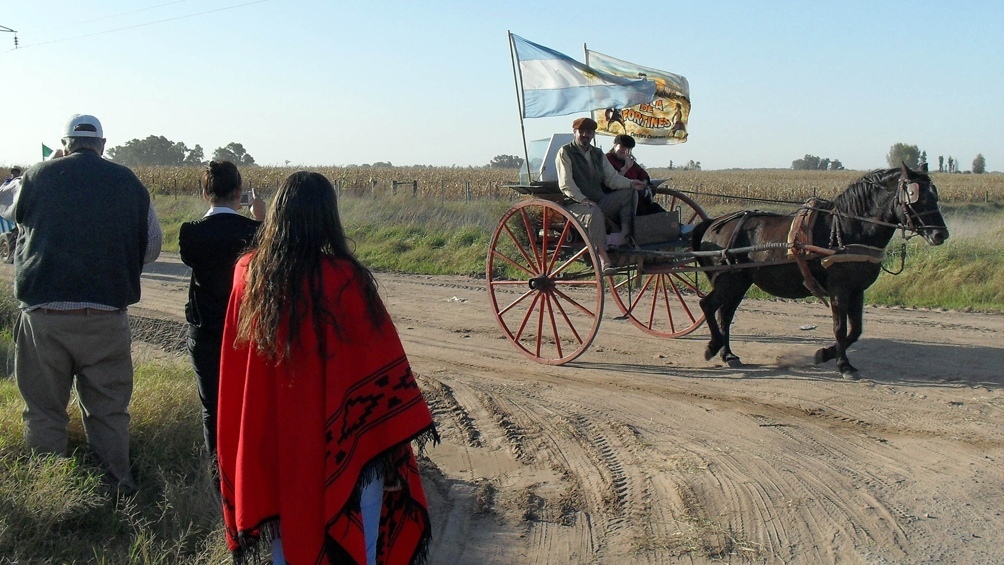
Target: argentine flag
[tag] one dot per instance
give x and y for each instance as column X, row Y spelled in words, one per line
column 555, row 84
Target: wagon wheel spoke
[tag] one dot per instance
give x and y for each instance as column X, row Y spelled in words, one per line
column 568, row 323
column 561, row 242
column 575, row 303
column 512, row 304
column 526, row 318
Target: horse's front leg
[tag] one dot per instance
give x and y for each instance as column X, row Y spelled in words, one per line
column 838, row 309
column 854, row 314
column 710, row 306
column 727, row 314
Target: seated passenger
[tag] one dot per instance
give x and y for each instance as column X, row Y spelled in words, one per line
column 589, row 180
column 622, row 159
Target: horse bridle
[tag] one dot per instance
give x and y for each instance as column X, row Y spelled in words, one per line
column 907, row 194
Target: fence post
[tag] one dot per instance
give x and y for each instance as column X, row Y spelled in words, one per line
column 373, row 183
column 414, row 188
column 175, row 186
column 393, row 188
column 468, row 191
column 442, row 191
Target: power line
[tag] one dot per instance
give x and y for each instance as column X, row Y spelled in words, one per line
column 108, row 17
column 144, row 24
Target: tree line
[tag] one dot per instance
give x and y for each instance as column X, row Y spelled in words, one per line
column 915, row 158
column 912, row 155
column 158, row 151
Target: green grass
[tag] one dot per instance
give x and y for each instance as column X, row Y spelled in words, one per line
column 422, row 236
column 966, row 273
column 54, row 509
column 172, row 211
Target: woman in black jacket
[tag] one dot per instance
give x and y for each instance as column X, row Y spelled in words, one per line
column 211, row 246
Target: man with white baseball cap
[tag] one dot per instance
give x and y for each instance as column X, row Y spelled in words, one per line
column 86, row 229
column 83, row 125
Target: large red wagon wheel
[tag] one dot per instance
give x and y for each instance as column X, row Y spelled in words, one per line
column 545, row 288
column 664, row 304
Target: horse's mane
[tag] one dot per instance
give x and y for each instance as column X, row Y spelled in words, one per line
column 861, row 195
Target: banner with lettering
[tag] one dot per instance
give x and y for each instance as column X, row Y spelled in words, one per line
column 663, row 121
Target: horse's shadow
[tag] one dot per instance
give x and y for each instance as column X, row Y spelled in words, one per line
column 878, row 360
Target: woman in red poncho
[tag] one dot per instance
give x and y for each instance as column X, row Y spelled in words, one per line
column 317, row 402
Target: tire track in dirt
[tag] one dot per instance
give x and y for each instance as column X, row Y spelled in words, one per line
column 821, row 458
column 442, row 401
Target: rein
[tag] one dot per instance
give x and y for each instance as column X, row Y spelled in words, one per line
column 910, row 227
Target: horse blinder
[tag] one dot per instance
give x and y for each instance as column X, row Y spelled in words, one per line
column 911, row 192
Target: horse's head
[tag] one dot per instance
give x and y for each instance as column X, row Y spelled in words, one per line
column 917, row 205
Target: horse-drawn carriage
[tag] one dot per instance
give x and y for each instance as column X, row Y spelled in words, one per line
column 546, row 280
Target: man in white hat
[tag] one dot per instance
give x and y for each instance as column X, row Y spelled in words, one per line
column 87, row 229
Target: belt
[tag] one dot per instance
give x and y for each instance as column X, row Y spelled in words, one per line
column 80, row 311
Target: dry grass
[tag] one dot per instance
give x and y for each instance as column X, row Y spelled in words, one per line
column 451, row 183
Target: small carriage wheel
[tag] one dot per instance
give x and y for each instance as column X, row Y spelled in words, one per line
column 7, row 243
column 545, row 287
column 664, row 304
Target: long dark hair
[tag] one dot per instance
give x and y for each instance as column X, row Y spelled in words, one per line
column 301, row 231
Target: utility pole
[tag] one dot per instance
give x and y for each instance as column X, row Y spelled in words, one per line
column 7, row 29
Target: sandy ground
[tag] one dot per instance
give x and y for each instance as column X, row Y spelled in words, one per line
column 641, row 451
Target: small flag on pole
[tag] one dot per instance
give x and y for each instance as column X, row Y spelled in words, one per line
column 45, row 152
column 554, row 84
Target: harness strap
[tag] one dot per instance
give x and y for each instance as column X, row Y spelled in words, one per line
column 802, row 225
column 734, row 235
column 810, row 281
column 800, row 242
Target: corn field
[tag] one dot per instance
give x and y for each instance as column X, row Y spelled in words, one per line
column 727, row 187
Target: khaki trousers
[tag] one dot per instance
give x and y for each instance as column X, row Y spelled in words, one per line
column 618, row 205
column 89, row 352
column 592, row 220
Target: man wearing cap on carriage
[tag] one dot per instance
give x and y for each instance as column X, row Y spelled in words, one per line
column 586, row 177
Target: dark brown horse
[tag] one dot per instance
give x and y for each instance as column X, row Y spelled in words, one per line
column 846, row 235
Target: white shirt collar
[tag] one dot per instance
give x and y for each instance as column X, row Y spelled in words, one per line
column 220, row 210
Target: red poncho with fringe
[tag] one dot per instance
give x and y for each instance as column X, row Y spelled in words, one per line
column 293, row 439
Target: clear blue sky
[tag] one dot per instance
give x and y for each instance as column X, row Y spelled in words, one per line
column 338, row 83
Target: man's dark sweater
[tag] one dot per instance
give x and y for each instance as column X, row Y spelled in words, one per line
column 83, row 232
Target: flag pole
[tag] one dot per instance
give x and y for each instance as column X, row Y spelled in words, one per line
column 519, row 104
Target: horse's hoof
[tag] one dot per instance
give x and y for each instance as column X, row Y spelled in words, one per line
column 820, row 356
column 708, row 353
column 850, row 374
column 732, row 361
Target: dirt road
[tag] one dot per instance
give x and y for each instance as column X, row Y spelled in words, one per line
column 642, row 452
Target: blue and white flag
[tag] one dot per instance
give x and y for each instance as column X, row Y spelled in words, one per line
column 555, row 84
